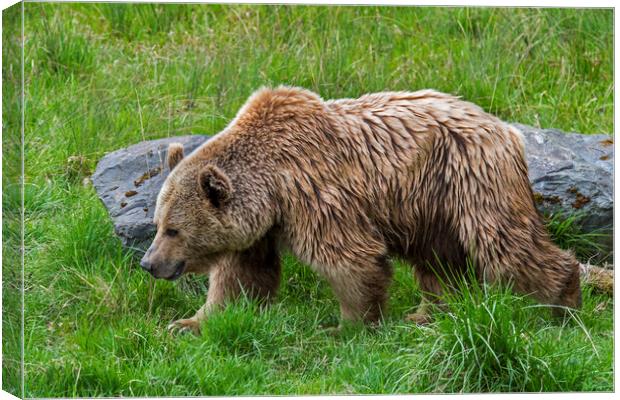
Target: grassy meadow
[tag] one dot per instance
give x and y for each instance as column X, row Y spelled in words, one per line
column 102, row 76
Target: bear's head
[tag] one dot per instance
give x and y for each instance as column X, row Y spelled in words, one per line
column 192, row 216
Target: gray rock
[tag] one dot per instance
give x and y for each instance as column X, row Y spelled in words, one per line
column 128, row 181
column 572, row 173
column 569, row 173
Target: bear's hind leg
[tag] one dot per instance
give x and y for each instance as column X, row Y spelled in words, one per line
column 507, row 234
column 570, row 295
column 536, row 267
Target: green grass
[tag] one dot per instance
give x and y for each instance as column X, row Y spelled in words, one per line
column 11, row 201
column 565, row 231
column 102, row 76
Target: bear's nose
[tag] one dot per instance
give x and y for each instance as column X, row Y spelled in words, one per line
column 145, row 264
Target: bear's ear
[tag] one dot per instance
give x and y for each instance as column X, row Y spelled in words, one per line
column 175, row 155
column 215, row 185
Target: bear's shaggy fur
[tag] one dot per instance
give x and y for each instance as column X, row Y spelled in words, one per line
column 346, row 184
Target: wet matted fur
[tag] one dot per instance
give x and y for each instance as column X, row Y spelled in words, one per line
column 346, row 184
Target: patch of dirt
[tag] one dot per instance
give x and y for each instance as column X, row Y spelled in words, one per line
column 130, row 193
column 580, row 201
column 607, row 142
column 147, row 175
column 540, row 198
column 580, row 198
column 601, row 279
column 77, row 167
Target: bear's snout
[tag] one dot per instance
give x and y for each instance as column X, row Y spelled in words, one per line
column 146, row 264
column 165, row 270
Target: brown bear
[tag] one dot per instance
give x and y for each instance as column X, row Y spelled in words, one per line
column 345, row 185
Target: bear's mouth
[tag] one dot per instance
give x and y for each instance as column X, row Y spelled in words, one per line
column 178, row 271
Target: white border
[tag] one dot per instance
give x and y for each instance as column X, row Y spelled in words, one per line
column 524, row 3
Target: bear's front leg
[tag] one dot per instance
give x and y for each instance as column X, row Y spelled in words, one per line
column 185, row 325
column 221, row 288
column 254, row 272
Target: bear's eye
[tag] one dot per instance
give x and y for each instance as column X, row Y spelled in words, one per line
column 171, row 232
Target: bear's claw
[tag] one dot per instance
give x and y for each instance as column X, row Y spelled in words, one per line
column 185, row 325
